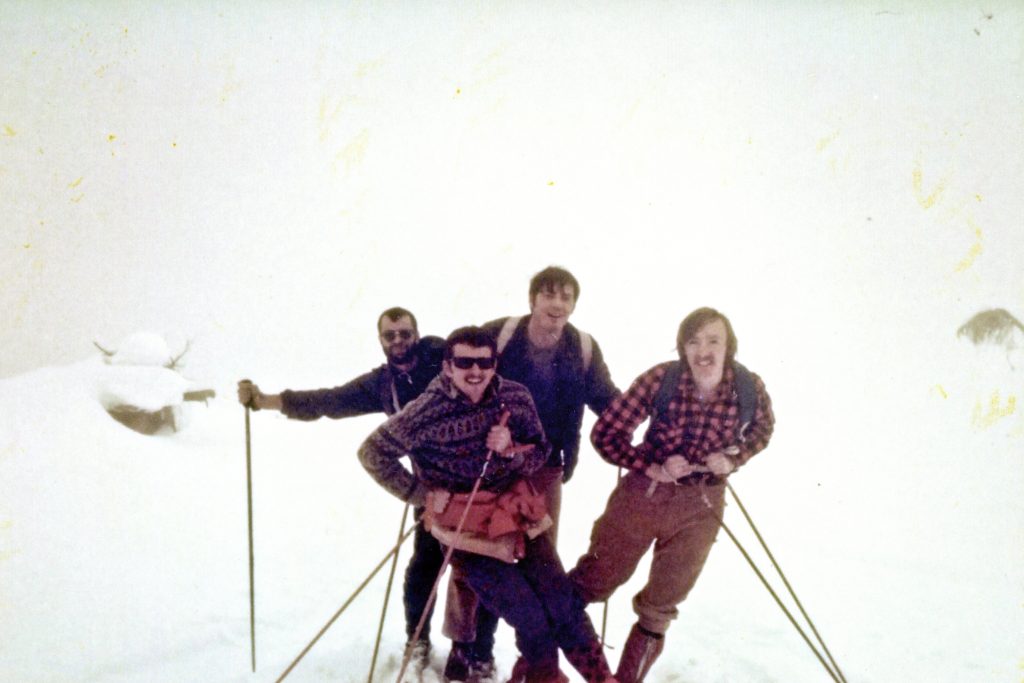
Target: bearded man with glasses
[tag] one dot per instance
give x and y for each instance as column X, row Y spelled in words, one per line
column 411, row 364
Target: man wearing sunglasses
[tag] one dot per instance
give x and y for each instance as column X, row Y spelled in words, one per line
column 474, row 439
column 411, row 364
column 565, row 372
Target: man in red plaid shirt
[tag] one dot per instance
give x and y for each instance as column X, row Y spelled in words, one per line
column 674, row 492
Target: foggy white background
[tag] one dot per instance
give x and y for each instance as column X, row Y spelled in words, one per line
column 845, row 182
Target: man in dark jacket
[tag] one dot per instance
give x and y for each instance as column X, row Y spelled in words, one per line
column 563, row 368
column 565, row 372
column 411, row 364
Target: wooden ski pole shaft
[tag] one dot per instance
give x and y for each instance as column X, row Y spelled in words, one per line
column 252, row 563
column 771, row 591
column 387, row 597
column 604, row 610
column 447, row 559
column 785, row 581
column 348, row 602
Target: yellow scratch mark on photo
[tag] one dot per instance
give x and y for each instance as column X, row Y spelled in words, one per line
column 551, row 183
column 329, row 112
column 996, row 410
column 355, row 151
column 9, row 132
column 974, row 252
column 366, row 68
column 77, row 182
column 111, row 137
column 941, row 391
column 826, row 141
column 926, row 201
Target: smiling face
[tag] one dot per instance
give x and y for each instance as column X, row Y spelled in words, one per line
column 705, row 353
column 465, row 371
column 552, row 306
column 397, row 339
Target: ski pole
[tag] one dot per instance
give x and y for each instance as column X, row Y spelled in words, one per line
column 447, row 559
column 604, row 611
column 785, row 581
column 330, row 622
column 387, row 596
column 252, row 564
column 771, row 591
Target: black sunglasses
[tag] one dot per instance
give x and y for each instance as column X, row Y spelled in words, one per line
column 463, row 363
column 390, row 335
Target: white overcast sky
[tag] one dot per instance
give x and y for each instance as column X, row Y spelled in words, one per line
column 845, row 179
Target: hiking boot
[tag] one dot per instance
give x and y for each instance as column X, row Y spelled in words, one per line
column 419, row 656
column 483, row 671
column 638, row 655
column 590, row 662
column 521, row 673
column 481, row 665
column 460, row 658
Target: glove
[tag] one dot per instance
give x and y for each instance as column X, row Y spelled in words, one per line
column 568, row 466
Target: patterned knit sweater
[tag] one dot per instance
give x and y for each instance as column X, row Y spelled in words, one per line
column 445, row 435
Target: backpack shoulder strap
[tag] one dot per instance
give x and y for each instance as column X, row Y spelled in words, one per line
column 669, row 385
column 507, row 330
column 586, row 349
column 746, row 391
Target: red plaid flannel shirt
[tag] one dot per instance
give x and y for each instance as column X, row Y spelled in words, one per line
column 687, row 427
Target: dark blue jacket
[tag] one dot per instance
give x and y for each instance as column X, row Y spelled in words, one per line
column 560, row 403
column 377, row 391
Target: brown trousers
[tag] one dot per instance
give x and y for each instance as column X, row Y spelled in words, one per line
column 681, row 522
column 461, row 603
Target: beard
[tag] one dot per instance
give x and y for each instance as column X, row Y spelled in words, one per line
column 403, row 356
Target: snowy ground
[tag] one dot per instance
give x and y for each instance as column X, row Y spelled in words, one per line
column 123, row 557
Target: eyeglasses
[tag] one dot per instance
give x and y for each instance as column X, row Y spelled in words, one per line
column 390, row 335
column 463, row 363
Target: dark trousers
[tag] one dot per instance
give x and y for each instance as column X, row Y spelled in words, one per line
column 420, row 576
column 536, row 598
column 465, row 619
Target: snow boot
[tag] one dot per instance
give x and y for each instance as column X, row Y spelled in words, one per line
column 590, row 662
column 482, row 671
column 419, row 657
column 638, row 655
column 482, row 668
column 523, row 673
column 459, row 661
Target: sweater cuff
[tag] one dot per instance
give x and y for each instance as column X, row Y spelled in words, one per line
column 417, row 494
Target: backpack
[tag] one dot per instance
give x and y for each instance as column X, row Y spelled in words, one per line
column 746, row 391
column 509, row 328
